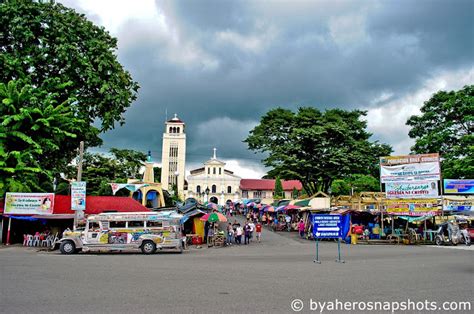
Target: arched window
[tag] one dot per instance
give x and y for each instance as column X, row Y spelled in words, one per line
column 229, row 189
column 214, row 188
column 177, row 130
column 198, row 189
column 171, row 130
column 208, row 170
column 220, row 170
column 214, row 170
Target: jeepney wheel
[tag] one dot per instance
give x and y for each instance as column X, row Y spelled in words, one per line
column 67, row 247
column 148, row 247
column 438, row 241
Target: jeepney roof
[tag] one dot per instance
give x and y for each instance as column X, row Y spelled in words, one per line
column 168, row 215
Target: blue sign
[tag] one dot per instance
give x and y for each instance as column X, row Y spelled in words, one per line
column 327, row 226
column 458, row 186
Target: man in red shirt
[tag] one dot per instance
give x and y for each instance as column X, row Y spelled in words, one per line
column 258, row 230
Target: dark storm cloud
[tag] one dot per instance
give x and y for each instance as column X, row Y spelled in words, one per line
column 221, row 64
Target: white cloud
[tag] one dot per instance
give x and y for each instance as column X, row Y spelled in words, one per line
column 387, row 120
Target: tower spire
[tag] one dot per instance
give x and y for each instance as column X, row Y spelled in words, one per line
column 214, row 157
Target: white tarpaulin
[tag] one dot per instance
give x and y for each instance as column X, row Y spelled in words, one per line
column 414, row 189
column 410, row 172
column 130, row 187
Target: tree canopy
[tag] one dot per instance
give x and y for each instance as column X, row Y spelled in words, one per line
column 278, row 188
column 99, row 170
column 33, row 126
column 62, row 55
column 316, row 147
column 446, row 125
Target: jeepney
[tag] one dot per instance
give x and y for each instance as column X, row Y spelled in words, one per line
column 145, row 231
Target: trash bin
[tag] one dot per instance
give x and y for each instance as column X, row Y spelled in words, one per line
column 353, row 238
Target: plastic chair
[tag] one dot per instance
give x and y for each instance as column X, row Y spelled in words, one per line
column 36, row 240
column 25, row 239
column 29, row 242
column 45, row 241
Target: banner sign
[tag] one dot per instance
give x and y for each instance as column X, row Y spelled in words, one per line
column 410, row 168
column 78, row 195
column 412, row 207
column 327, row 226
column 463, row 204
column 415, row 189
column 458, row 186
column 29, row 203
column 130, row 187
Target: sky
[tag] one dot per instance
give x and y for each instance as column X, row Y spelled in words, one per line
column 221, row 65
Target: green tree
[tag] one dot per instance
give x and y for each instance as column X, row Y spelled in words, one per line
column 33, row 125
column 157, row 174
column 60, row 52
column 278, row 188
column 446, row 125
column 295, row 193
column 316, row 147
column 98, row 170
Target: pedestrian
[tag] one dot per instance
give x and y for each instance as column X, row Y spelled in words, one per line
column 238, row 232
column 264, row 218
column 252, row 229
column 230, row 234
column 210, row 235
column 301, row 226
column 288, row 222
column 246, row 233
column 258, row 230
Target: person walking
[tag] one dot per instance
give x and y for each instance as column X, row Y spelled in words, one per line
column 246, row 233
column 301, row 226
column 288, row 222
column 210, row 236
column 238, row 234
column 258, row 230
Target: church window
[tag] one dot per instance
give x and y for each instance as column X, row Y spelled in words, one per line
column 208, row 170
column 229, row 189
column 171, row 130
column 214, row 170
column 177, row 130
column 198, row 189
column 220, row 170
column 214, row 188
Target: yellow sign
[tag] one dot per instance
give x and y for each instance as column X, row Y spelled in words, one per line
column 412, row 207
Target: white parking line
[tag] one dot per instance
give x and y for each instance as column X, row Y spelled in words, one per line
column 457, row 247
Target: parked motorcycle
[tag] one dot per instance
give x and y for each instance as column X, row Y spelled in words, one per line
column 448, row 234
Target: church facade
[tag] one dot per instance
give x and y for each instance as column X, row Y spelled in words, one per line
column 213, row 183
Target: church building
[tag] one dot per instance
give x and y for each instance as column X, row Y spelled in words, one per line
column 213, row 183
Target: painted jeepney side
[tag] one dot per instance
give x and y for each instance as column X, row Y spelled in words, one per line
column 166, row 236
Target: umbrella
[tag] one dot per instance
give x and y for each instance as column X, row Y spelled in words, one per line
column 251, row 204
column 280, row 208
column 290, row 207
column 212, row 206
column 214, row 217
column 269, row 209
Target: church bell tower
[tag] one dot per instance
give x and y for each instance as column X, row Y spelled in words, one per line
column 173, row 155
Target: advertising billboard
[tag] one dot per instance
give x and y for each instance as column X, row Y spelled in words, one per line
column 78, row 195
column 458, row 186
column 29, row 204
column 412, row 207
column 410, row 168
column 415, row 189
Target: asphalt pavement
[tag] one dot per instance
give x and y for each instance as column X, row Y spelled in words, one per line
column 258, row 278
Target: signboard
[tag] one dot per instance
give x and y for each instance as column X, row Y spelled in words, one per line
column 415, row 189
column 459, row 203
column 412, row 207
column 78, row 195
column 29, row 204
column 409, row 168
column 327, row 226
column 458, row 186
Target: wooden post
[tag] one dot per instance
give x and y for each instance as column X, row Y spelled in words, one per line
column 79, row 178
column 8, row 232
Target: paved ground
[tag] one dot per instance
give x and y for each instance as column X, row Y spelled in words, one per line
column 259, row 278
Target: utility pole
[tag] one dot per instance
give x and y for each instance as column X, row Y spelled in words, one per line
column 78, row 179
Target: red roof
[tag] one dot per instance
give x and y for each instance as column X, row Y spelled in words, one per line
column 268, row 184
column 99, row 204
column 94, row 205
